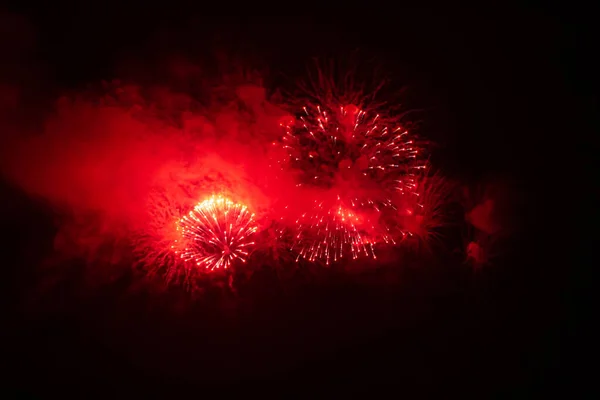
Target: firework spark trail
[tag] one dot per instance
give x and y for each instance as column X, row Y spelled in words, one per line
column 335, row 230
column 332, row 232
column 218, row 232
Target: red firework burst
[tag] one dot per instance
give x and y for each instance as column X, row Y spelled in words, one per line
column 366, row 160
column 345, row 143
column 216, row 233
column 332, row 233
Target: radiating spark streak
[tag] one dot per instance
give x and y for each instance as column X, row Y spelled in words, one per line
column 331, row 234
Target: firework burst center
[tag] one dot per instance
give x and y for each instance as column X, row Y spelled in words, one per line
column 217, row 232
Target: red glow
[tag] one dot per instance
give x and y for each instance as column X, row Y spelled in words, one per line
column 423, row 212
column 117, row 170
column 132, row 166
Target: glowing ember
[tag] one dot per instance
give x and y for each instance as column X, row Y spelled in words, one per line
column 217, row 232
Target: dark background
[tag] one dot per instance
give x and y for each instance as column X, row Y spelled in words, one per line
column 506, row 93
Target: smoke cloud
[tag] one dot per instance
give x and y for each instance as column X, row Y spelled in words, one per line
column 125, row 161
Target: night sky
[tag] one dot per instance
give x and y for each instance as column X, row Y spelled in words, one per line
column 491, row 89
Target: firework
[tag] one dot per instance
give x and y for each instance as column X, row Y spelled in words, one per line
column 423, row 214
column 216, row 233
column 346, row 148
column 366, row 160
column 331, row 232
